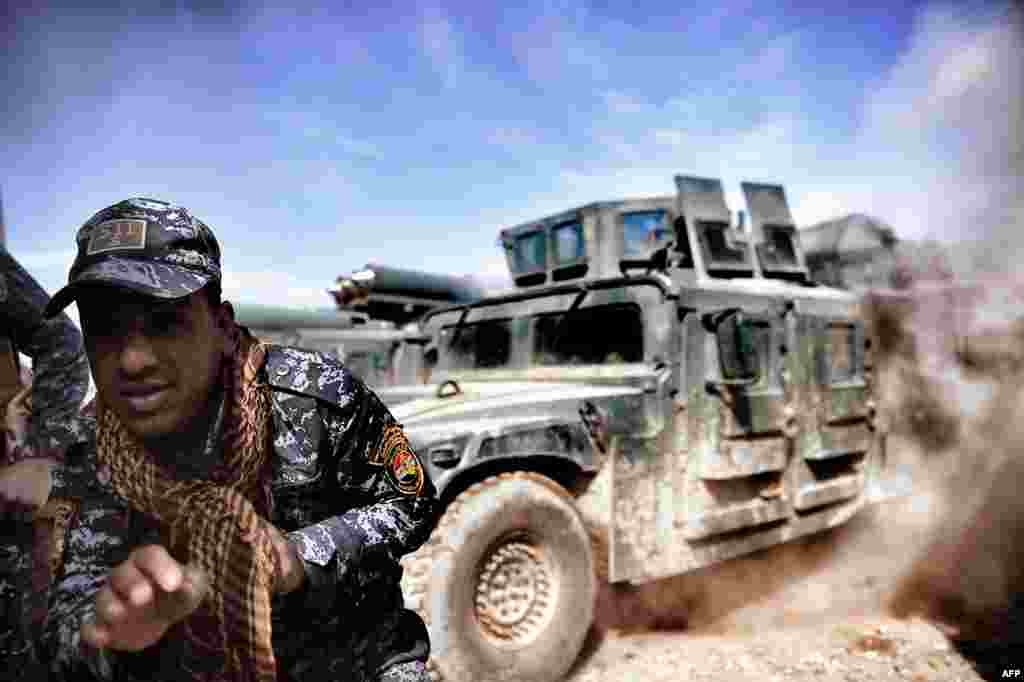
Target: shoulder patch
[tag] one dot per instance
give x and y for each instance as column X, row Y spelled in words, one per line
column 309, row 373
column 401, row 465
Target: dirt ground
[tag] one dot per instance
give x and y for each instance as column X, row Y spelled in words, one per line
column 809, row 610
column 848, row 649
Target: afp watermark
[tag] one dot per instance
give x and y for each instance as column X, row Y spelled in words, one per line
column 1012, row 673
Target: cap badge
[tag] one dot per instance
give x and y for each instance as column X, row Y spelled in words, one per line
column 113, row 235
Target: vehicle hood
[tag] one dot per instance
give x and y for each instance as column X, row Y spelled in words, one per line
column 501, row 406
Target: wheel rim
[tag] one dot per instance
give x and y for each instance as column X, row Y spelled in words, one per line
column 514, row 598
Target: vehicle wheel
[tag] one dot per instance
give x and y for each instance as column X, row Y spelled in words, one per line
column 507, row 583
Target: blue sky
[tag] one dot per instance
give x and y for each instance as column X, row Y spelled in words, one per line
column 316, row 140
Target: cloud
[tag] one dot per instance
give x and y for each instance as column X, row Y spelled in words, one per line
column 769, row 145
column 512, row 137
column 948, row 116
column 818, row 205
column 949, row 56
column 45, row 260
column 721, row 15
column 440, row 42
column 324, row 130
column 559, row 43
column 274, row 288
column 769, row 62
column 492, row 274
column 361, row 148
column 936, row 152
column 768, row 149
column 619, row 102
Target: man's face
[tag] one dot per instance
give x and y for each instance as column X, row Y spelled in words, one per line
column 155, row 362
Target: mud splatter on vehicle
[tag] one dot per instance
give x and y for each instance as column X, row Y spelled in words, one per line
column 663, row 381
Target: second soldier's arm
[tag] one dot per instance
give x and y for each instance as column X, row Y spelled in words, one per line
column 61, row 370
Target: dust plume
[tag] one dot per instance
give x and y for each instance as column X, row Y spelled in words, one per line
column 952, row 345
column 840, row 576
column 954, row 361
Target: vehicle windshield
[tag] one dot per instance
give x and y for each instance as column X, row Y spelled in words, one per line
column 568, row 242
column 642, row 231
column 530, row 252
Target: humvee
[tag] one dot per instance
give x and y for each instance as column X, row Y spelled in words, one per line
column 677, row 373
column 370, row 348
column 373, row 322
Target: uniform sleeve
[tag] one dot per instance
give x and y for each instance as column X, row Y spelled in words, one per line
column 60, row 367
column 376, row 466
column 94, row 544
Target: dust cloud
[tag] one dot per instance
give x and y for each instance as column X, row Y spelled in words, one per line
column 952, row 348
column 841, row 576
column 950, row 363
column 954, row 358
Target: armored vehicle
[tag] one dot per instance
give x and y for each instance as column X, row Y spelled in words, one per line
column 660, row 371
column 371, row 348
column 373, row 322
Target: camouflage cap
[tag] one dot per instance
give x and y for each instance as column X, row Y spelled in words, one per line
column 148, row 246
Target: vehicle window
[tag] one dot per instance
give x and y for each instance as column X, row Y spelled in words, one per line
column 717, row 250
column 590, row 336
column 840, row 350
column 531, row 252
column 642, row 230
column 568, row 241
column 479, row 345
column 778, row 249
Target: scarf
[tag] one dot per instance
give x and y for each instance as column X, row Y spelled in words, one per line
column 217, row 525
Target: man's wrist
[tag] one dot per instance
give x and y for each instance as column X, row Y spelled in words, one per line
column 290, row 573
column 297, row 578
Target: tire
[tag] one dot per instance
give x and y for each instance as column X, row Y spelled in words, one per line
column 506, row 584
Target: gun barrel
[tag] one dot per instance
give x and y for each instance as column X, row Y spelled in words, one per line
column 269, row 317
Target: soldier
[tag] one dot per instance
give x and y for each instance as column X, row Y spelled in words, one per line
column 242, row 507
column 34, row 440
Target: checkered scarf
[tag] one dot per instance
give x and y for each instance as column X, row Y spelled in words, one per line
column 217, row 525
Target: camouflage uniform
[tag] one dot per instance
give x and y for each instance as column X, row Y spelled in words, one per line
column 60, row 382
column 351, row 506
column 350, row 515
column 60, row 368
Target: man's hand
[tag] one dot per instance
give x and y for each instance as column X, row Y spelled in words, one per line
column 143, row 598
column 24, row 488
column 17, row 414
column 293, row 572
